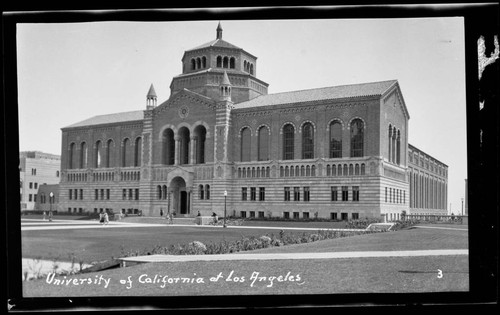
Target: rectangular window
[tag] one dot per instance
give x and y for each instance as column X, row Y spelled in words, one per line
column 286, row 215
column 333, row 215
column 305, row 215
column 107, row 193
column 343, row 216
column 355, row 216
column 261, row 214
column 34, row 197
column 76, row 194
column 296, row 215
column 385, row 194
column 243, row 214
column 130, row 194
column 334, row 193
column 31, row 185
column 287, row 193
column 95, row 210
column 80, row 210
column 253, row 193
column 81, row 194
column 252, row 214
column 70, row 194
column 345, row 193
column 296, row 193
column 69, row 210
column 124, row 194
column 102, row 194
column 307, row 194
column 96, row 194
column 36, row 185
column 244, row 193
column 262, row 193
column 30, row 197
column 137, row 194
column 355, row 193
column 390, row 195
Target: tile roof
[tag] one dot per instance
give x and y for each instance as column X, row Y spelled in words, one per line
column 318, row 94
column 216, row 43
column 110, row 118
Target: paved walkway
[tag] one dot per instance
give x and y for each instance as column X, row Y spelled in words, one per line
column 288, row 256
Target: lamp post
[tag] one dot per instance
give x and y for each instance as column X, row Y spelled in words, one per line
column 225, row 197
column 462, row 206
column 51, row 195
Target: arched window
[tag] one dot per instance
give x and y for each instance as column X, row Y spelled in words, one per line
column 345, row 170
column 204, row 62
column 287, row 171
column 57, row 173
column 313, row 170
column 307, row 141
column 288, row 142
column 225, row 62
column 251, row 68
column 193, row 64
column 292, row 171
column 158, row 192
column 302, row 171
column 393, row 145
column 335, row 139
column 71, row 155
column 207, row 192
column 83, row 155
column 282, row 171
column 219, row 62
column 351, row 169
column 184, row 145
column 231, row 63
column 125, row 152
column 200, row 133
column 168, row 147
column 201, row 192
column 398, row 148
column 334, row 170
column 357, row 138
column 245, row 144
column 198, row 63
column 268, row 171
column 109, row 153
column 137, row 151
column 308, row 170
column 245, row 65
column 356, row 169
column 97, row 154
column 328, row 170
column 263, row 144
column 390, row 143
column 363, row 169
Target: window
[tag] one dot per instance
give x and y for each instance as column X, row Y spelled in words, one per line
column 201, row 192
column 245, row 145
column 252, row 214
column 357, row 138
column 125, row 149
column 76, row 194
column 287, row 193
column 34, row 197
column 262, row 193
column 70, row 194
column 97, row 155
column 385, row 194
column 305, row 215
column 307, row 141
column 307, row 195
column 343, row 216
column 263, row 144
column 261, row 214
column 243, row 214
column 136, row 194
column 334, row 193
column 30, row 197
column 286, row 215
column 288, row 142
column 137, row 152
column 333, row 215
column 81, row 194
column 31, row 185
column 253, row 193
column 102, row 194
column 83, row 155
column 355, row 216
column 130, row 194
column 71, row 156
column 243, row 193
column 168, row 147
column 296, row 215
column 207, row 191
column 107, row 194
column 296, row 193
column 36, row 185
column 335, row 139
column 96, row 194
column 355, row 193
column 124, row 194
column 345, row 193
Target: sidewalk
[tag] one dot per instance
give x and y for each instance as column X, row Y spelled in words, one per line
column 278, row 256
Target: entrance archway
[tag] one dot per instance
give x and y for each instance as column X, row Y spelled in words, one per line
column 181, row 197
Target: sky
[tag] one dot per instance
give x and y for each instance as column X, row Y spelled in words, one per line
column 68, row 72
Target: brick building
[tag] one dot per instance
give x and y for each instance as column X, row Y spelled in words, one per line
column 335, row 152
column 44, row 202
column 36, row 168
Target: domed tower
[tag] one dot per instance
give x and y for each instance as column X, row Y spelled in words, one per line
column 203, row 70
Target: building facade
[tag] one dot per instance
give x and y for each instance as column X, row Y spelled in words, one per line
column 221, row 142
column 45, row 202
column 35, row 169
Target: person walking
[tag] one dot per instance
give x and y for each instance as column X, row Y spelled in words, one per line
column 106, row 218
column 101, row 218
column 161, row 213
column 44, row 215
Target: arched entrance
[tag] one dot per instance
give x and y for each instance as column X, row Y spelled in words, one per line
column 180, row 196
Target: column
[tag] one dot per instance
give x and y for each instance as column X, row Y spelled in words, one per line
column 193, row 150
column 177, row 152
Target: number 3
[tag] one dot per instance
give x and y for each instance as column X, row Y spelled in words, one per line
column 440, row 273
